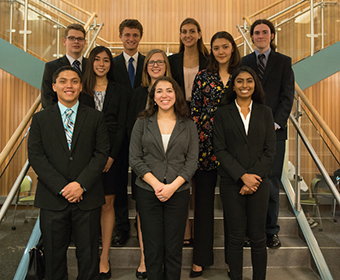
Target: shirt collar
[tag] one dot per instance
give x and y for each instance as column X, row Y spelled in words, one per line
column 63, row 108
column 127, row 57
column 266, row 53
column 239, row 108
column 71, row 59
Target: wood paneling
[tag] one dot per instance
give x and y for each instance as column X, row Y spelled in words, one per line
column 161, row 20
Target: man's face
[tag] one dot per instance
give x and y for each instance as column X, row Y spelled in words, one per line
column 74, row 43
column 262, row 37
column 68, row 87
column 130, row 38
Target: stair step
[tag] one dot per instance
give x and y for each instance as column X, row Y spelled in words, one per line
column 273, row 273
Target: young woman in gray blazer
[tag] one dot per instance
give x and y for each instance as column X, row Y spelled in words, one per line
column 164, row 156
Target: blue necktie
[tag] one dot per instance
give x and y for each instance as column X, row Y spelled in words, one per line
column 131, row 71
column 68, row 127
column 76, row 64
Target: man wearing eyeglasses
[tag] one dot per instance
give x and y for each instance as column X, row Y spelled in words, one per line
column 74, row 42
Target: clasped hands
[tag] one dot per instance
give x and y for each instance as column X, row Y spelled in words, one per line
column 251, row 183
column 73, row 192
column 164, row 191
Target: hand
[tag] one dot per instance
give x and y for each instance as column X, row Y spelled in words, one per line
column 108, row 165
column 73, row 192
column 252, row 181
column 245, row 190
column 165, row 193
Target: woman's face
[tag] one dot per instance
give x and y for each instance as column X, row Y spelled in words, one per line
column 244, row 86
column 156, row 66
column 165, row 96
column 222, row 50
column 101, row 64
column 189, row 35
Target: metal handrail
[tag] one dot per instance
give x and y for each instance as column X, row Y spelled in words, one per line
column 93, row 39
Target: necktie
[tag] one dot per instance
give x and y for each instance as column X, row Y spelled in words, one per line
column 76, row 64
column 260, row 65
column 68, row 127
column 131, row 71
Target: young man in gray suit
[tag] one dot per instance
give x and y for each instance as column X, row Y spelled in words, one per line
column 275, row 72
column 68, row 149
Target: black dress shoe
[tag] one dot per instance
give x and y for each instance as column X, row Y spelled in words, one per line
column 273, row 241
column 140, row 275
column 194, row 274
column 105, row 275
column 120, row 239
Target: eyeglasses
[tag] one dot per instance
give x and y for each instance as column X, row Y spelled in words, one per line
column 72, row 38
column 158, row 62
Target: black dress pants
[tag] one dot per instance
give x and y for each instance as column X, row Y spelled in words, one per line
column 163, row 226
column 57, row 227
column 205, row 183
column 246, row 214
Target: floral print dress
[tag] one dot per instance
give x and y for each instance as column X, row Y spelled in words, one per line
column 207, row 93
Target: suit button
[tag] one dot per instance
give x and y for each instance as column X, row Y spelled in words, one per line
column 71, row 158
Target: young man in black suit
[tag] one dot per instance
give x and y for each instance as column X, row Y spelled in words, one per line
column 275, row 72
column 128, row 67
column 74, row 41
column 68, row 149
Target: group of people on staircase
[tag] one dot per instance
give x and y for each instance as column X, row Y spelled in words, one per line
column 179, row 122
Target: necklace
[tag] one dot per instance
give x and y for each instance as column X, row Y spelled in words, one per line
column 99, row 85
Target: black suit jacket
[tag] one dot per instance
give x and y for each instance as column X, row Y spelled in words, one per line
column 48, row 96
column 56, row 165
column 239, row 153
column 278, row 85
column 115, row 112
column 120, row 73
column 176, row 65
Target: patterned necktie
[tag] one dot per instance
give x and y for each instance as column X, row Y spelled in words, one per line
column 260, row 65
column 131, row 71
column 68, row 127
column 76, row 64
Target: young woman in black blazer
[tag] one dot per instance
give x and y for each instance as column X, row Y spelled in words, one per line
column 100, row 92
column 156, row 64
column 192, row 56
column 244, row 143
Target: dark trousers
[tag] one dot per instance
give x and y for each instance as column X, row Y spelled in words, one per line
column 275, row 183
column 121, row 200
column 163, row 226
column 246, row 214
column 205, row 183
column 57, row 227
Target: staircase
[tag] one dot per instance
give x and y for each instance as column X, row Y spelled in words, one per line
column 292, row 261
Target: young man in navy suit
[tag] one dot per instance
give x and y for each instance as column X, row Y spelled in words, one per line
column 128, row 68
column 74, row 42
column 275, row 72
column 68, row 149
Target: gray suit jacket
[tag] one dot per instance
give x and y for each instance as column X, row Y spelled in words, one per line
column 147, row 152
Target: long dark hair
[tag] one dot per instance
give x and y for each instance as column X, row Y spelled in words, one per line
column 258, row 95
column 235, row 59
column 200, row 45
column 89, row 75
column 271, row 27
column 180, row 107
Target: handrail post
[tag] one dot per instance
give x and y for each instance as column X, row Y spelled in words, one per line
column 311, row 27
column 11, row 23
column 298, row 180
column 25, row 26
column 322, row 25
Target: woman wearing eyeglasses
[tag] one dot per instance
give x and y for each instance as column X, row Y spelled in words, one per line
column 156, row 64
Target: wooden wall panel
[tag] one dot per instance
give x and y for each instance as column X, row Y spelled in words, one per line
column 161, row 20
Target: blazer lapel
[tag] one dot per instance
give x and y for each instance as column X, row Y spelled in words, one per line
column 238, row 121
column 59, row 126
column 139, row 70
column 179, row 127
column 81, row 116
column 154, row 129
column 108, row 95
column 121, row 68
column 253, row 119
column 272, row 59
